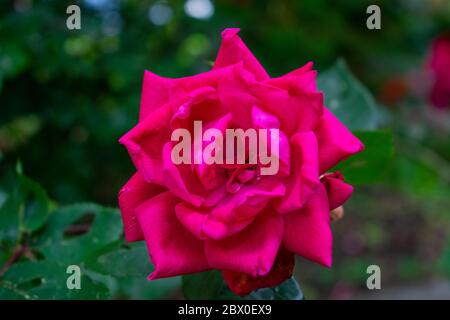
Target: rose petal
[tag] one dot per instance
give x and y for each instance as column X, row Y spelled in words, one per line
column 155, row 93
column 203, row 226
column 232, row 213
column 264, row 120
column 242, row 284
column 214, row 176
column 145, row 143
column 251, row 251
column 201, row 105
column 180, row 179
column 233, row 50
column 307, row 231
column 173, row 249
column 135, row 192
column 293, row 100
column 304, row 178
column 158, row 91
column 297, row 72
column 297, row 81
column 337, row 190
column 336, row 142
column 248, row 201
column 235, row 95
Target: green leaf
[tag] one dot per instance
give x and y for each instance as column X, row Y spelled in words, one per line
column 348, row 99
column 9, row 216
column 210, row 285
column 46, row 280
column 57, row 244
column 126, row 269
column 25, row 208
column 132, row 261
column 36, row 204
column 141, row 288
column 206, row 285
column 288, row 290
column 370, row 165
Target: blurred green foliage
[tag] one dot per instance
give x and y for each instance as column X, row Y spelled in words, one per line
column 66, row 96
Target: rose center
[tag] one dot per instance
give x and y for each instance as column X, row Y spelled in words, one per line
column 243, row 174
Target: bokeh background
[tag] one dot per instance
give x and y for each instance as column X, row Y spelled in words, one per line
column 66, row 96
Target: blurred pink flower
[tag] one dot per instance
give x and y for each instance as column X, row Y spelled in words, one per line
column 190, row 217
column 439, row 63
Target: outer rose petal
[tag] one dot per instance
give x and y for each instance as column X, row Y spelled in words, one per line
column 233, row 50
column 297, row 80
column 155, row 93
column 307, row 231
column 173, row 249
column 135, row 192
column 157, row 90
column 336, row 142
column 297, row 72
column 337, row 190
column 145, row 143
column 251, row 251
column 304, row 178
column 242, row 284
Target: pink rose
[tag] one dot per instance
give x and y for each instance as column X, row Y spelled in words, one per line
column 440, row 67
column 197, row 217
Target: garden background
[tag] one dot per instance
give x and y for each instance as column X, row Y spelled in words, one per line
column 66, row 96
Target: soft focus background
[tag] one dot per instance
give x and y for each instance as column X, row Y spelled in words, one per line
column 66, row 96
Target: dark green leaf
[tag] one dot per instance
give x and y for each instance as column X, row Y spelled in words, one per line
column 36, row 204
column 348, row 99
column 210, row 285
column 370, row 165
column 206, row 285
column 46, row 280
column 24, row 209
column 9, row 216
column 288, row 290
column 57, row 243
column 141, row 288
column 124, row 262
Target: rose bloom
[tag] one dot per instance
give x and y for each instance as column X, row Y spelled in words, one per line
column 198, row 217
column 439, row 64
